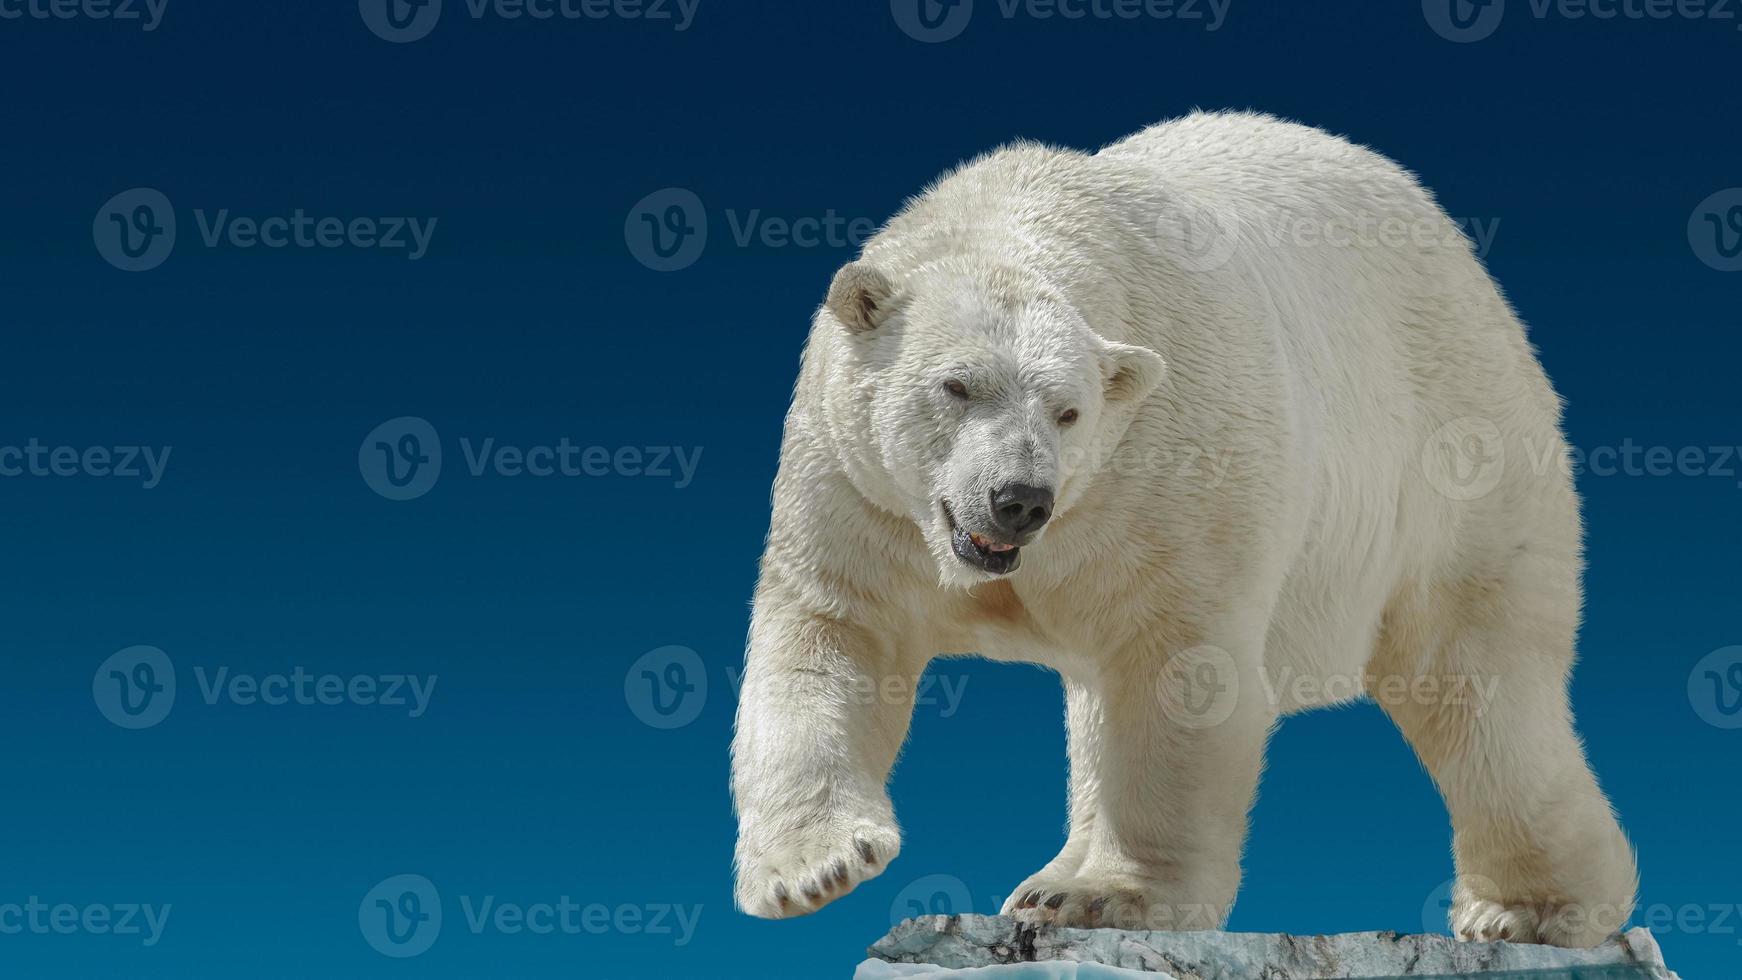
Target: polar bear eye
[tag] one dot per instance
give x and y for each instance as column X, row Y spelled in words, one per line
column 1068, row 418
column 956, row 389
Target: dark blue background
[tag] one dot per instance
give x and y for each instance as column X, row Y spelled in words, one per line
column 531, row 777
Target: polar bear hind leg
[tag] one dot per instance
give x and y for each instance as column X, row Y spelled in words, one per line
column 1539, row 855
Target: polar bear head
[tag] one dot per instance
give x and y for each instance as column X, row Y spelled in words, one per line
column 987, row 401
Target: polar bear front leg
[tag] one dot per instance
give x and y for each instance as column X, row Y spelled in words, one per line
column 1181, row 746
column 822, row 713
column 1084, row 726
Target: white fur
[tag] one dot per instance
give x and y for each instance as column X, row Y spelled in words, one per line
column 1262, row 523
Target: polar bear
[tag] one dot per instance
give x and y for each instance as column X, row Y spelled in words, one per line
column 1222, row 422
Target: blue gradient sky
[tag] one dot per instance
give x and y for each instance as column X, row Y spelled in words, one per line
column 532, row 775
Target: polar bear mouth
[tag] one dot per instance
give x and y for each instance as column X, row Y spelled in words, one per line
column 981, row 551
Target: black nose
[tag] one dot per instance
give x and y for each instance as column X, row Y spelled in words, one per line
column 1019, row 508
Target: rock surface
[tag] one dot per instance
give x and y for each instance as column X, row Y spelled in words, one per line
column 993, row 947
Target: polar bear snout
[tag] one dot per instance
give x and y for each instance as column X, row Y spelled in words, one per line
column 1019, row 509
column 1014, row 513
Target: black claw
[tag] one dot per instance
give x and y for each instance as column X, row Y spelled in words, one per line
column 1029, row 899
column 1057, row 900
column 840, row 870
column 866, row 854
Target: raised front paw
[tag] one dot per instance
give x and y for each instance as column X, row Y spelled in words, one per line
column 1088, row 901
column 802, row 873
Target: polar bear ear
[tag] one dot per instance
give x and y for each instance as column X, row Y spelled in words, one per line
column 1131, row 372
column 859, row 297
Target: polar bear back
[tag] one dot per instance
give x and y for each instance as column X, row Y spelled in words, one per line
column 1397, row 354
column 1334, row 349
